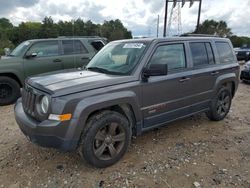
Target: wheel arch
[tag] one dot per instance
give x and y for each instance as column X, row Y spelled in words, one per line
column 124, row 102
column 227, row 80
column 13, row 76
column 125, row 109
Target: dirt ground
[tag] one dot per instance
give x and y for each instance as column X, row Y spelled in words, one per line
column 194, row 152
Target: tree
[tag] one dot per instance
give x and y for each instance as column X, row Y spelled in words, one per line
column 5, row 29
column 114, row 30
column 213, row 27
column 239, row 41
column 13, row 35
column 48, row 29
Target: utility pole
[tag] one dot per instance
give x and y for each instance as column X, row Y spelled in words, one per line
column 158, row 20
column 165, row 19
column 199, row 16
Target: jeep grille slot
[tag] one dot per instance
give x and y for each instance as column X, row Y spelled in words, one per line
column 29, row 102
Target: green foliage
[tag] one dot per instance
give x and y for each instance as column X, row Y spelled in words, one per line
column 221, row 29
column 114, row 30
column 239, row 41
column 213, row 27
column 11, row 36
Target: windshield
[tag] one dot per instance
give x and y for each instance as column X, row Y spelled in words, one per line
column 117, row 58
column 20, row 49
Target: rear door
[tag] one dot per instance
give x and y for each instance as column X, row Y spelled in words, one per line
column 75, row 54
column 47, row 58
column 205, row 71
column 168, row 97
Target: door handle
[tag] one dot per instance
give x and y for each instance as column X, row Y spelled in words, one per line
column 184, row 79
column 57, row 60
column 214, row 73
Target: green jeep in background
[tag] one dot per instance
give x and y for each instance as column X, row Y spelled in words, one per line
column 43, row 55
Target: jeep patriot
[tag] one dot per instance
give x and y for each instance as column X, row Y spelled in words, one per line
column 129, row 87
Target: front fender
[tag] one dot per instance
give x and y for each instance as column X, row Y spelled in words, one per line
column 91, row 104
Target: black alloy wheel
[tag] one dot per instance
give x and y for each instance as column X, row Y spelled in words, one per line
column 105, row 138
column 109, row 141
column 220, row 105
column 223, row 103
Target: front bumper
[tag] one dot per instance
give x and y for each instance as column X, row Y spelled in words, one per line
column 245, row 75
column 47, row 133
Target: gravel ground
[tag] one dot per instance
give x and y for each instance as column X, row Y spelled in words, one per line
column 194, row 152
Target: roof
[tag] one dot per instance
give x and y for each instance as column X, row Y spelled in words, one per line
column 172, row 39
column 69, row 37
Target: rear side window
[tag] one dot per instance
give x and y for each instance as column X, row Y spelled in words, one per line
column 225, row 52
column 73, row 47
column 202, row 53
column 97, row 45
column 171, row 54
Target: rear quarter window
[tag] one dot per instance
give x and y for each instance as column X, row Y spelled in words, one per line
column 225, row 52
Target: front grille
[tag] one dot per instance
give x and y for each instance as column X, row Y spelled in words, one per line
column 29, row 101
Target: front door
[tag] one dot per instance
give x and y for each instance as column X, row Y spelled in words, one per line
column 166, row 98
column 46, row 58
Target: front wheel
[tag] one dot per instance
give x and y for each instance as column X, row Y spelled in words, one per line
column 220, row 105
column 9, row 90
column 105, row 139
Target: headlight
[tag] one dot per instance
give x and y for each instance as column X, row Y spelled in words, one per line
column 44, row 104
column 247, row 53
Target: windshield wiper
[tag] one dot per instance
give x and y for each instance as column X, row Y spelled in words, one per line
column 97, row 69
column 102, row 70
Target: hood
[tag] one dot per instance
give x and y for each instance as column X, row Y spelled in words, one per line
column 69, row 82
column 5, row 59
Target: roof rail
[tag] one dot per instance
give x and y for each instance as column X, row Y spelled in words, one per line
column 79, row 37
column 197, row 35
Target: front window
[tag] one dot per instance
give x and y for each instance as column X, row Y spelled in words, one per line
column 45, row 49
column 19, row 50
column 117, row 58
column 171, row 54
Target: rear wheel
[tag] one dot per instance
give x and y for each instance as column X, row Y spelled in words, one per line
column 105, row 139
column 220, row 105
column 9, row 90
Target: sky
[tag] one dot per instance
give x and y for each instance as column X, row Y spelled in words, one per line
column 139, row 16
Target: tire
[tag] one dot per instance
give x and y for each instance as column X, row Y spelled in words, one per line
column 9, row 90
column 98, row 145
column 220, row 105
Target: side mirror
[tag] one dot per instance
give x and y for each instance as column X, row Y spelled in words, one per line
column 155, row 70
column 32, row 55
column 7, row 51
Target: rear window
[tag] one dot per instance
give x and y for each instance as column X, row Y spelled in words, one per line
column 225, row 52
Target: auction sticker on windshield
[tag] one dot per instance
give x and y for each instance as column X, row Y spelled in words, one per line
column 133, row 45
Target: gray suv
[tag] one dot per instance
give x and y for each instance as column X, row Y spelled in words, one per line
column 129, row 87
